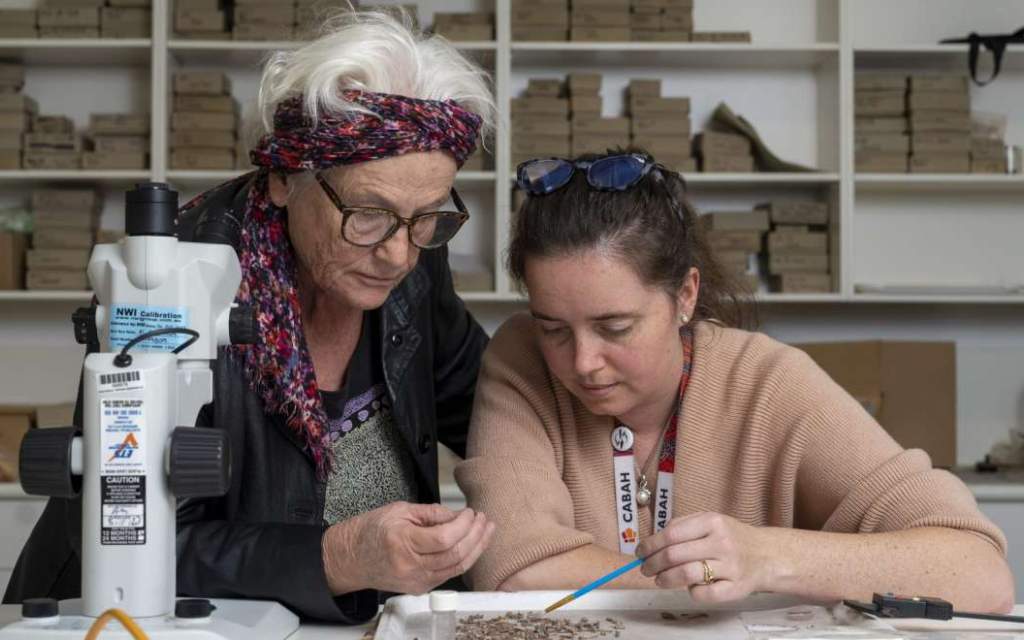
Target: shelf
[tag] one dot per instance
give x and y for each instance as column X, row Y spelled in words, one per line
column 190, row 52
column 216, row 177
column 698, row 55
column 878, row 298
column 939, row 182
column 77, row 52
column 933, row 57
column 32, row 175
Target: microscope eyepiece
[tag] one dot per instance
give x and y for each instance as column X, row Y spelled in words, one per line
column 151, row 209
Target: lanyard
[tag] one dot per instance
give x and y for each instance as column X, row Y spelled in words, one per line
column 625, row 475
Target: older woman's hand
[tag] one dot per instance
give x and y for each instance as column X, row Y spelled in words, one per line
column 403, row 547
column 737, row 554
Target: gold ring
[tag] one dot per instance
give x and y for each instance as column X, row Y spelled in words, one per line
column 709, row 575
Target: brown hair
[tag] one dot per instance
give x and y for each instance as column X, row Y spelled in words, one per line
column 641, row 227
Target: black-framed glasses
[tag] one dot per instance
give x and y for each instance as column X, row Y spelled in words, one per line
column 371, row 226
column 616, row 172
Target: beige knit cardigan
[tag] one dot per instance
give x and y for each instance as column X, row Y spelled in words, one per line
column 765, row 436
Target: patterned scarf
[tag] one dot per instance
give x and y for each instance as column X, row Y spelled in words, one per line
column 279, row 367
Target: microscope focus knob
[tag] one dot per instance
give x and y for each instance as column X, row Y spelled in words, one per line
column 44, row 463
column 199, row 463
column 242, row 327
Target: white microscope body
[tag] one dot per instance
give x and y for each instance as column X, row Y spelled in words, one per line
column 138, row 450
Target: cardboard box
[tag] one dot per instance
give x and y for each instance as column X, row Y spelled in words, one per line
column 261, row 32
column 43, row 141
column 464, row 18
column 36, row 159
column 56, row 280
column 585, row 106
column 584, row 84
column 196, row 20
column 644, row 88
column 68, row 17
column 52, row 124
column 69, row 32
column 940, row 142
column 108, row 236
column 57, row 259
column 14, row 121
column 815, row 242
column 940, row 163
column 721, row 36
column 127, row 31
column 617, row 17
column 197, row 5
column 938, row 101
column 64, row 219
column 879, row 81
column 127, row 124
column 879, row 103
column 681, row 163
column 950, row 82
column 103, row 160
column 132, row 3
column 600, row 126
column 802, row 283
column 682, row 21
column 665, row 35
column 726, row 163
column 533, row 33
column 558, row 127
column 645, row 22
column 199, row 158
column 272, row 14
column 203, row 83
column 940, row 121
column 796, row 212
column 756, row 220
column 17, row 31
column 598, row 143
column 909, row 387
column 989, row 165
column 987, row 147
column 540, row 107
column 718, row 143
column 540, row 146
column 120, row 144
column 865, row 126
column 735, row 261
column 116, row 18
column 76, row 200
column 10, row 140
column 665, row 145
column 544, row 88
column 198, row 120
column 18, row 17
column 12, row 74
column 746, row 240
column 599, row 34
column 788, row 262
column 55, row 415
column 14, row 424
column 10, row 159
column 874, row 162
column 552, row 18
column 673, row 126
column 882, row 142
column 58, row 238
column 217, row 139
column 18, row 102
column 640, row 106
column 12, row 260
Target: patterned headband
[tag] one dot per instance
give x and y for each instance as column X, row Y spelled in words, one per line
column 395, row 125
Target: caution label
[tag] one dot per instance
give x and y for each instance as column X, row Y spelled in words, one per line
column 123, row 505
column 130, row 320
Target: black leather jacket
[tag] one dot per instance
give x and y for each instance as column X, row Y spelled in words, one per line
column 262, row 540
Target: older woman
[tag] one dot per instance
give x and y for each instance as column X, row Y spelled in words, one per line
column 622, row 417
column 368, row 358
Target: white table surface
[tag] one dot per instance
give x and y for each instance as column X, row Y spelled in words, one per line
column 10, row 613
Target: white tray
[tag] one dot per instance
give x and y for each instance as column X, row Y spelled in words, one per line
column 408, row 617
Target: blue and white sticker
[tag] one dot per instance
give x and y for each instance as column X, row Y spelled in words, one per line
column 122, row 428
column 130, row 320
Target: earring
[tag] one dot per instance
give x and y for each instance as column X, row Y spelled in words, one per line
column 683, row 318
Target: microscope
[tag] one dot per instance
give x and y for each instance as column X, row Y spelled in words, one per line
column 162, row 309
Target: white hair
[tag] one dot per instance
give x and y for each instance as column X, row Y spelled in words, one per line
column 372, row 51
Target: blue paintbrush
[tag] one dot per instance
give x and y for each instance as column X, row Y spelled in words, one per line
column 595, row 584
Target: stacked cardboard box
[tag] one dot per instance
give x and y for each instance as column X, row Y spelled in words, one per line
column 126, row 21
column 940, row 123
column 203, row 121
column 470, row 273
column 465, row 26
column 599, row 20
column 989, row 155
column 52, row 143
column 64, row 227
column 735, row 238
column 117, row 141
column 18, row 23
column 881, row 141
column 69, row 18
column 12, row 260
column 200, row 20
column 723, row 152
column 661, row 20
column 540, row 121
column 263, row 20
column 660, row 125
column 721, row 36
column 797, row 247
column 16, row 111
column 540, row 20
column 592, row 133
column 401, row 12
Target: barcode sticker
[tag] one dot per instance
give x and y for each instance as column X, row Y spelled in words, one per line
column 120, row 382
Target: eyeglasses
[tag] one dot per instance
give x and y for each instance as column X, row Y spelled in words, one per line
column 371, row 226
column 618, row 172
